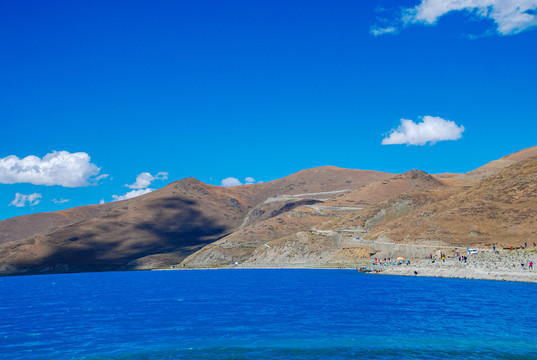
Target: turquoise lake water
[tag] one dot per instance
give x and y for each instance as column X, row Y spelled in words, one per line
column 264, row 314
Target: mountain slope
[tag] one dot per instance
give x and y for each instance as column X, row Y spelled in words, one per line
column 496, row 166
column 501, row 210
column 414, row 209
column 21, row 227
column 310, row 217
column 163, row 227
column 241, row 245
column 372, row 193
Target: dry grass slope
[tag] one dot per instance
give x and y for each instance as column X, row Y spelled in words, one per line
column 310, row 218
column 501, row 210
column 157, row 229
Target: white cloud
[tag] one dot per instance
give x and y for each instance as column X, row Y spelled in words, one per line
column 100, row 177
column 230, row 181
column 376, row 30
column 145, row 179
column 140, row 186
column 57, row 168
column 510, row 16
column 432, row 129
column 21, row 199
column 61, row 201
column 132, row 194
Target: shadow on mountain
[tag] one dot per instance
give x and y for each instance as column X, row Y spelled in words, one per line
column 114, row 240
column 292, row 205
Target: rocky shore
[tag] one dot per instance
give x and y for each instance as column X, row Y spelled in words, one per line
column 490, row 265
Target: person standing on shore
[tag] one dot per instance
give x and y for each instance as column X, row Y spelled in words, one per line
column 531, row 265
column 522, row 265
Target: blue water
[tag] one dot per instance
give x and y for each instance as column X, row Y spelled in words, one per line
column 264, row 314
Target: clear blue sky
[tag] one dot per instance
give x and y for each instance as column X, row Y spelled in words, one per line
column 215, row 89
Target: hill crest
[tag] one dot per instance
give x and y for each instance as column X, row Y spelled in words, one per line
column 171, row 223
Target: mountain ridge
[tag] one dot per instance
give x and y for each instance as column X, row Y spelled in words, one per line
column 159, row 228
column 308, row 217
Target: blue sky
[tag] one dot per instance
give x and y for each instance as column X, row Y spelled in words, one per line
column 163, row 90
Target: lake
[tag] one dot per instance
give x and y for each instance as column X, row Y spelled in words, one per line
column 264, row 314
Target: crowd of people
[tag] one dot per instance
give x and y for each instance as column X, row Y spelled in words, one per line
column 464, row 259
column 390, row 262
column 379, row 265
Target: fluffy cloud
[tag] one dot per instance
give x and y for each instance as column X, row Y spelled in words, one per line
column 432, row 129
column 140, row 186
column 61, row 201
column 231, row 181
column 57, row 168
column 510, row 16
column 145, row 179
column 131, row 194
column 21, row 199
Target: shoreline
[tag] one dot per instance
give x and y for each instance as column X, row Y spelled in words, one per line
column 403, row 270
column 469, row 275
column 489, row 265
column 500, row 265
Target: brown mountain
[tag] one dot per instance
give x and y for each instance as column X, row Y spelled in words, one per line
column 500, row 210
column 410, row 208
column 159, row 228
column 372, row 193
column 168, row 222
column 308, row 218
column 21, row 227
column 496, row 166
column 243, row 243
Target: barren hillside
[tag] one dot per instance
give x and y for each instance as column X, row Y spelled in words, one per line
column 160, row 228
column 500, row 210
column 309, row 218
column 255, row 238
column 21, row 227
